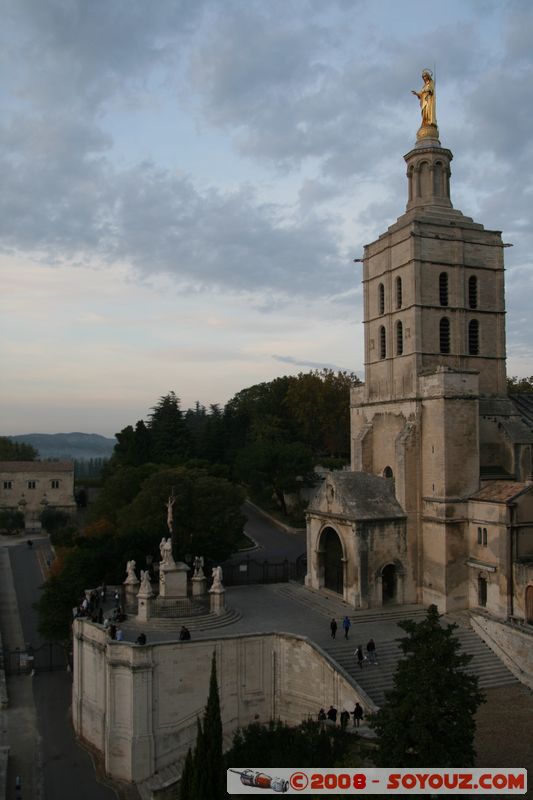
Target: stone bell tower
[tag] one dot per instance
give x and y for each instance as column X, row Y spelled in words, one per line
column 434, row 323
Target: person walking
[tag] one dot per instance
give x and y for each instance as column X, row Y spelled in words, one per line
column 371, row 651
column 359, row 656
column 333, row 626
column 357, row 715
column 346, row 624
column 332, row 714
column 141, row 638
column 344, row 717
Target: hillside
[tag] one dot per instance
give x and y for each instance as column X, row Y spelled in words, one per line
column 72, row 446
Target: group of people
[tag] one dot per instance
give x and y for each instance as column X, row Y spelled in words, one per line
column 346, row 625
column 371, row 655
column 331, row 716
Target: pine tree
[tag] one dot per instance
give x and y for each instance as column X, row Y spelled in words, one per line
column 169, row 437
column 428, row 719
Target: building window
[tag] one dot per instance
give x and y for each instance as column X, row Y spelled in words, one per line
column 32, row 484
column 484, row 537
column 388, row 473
column 399, row 339
column 444, row 333
column 472, row 291
column 382, row 343
column 8, row 484
column 54, row 484
column 399, row 299
column 482, row 591
column 479, row 536
column 381, row 299
column 473, row 337
column 443, row 288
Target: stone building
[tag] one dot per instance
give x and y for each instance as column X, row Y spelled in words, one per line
column 32, row 486
column 450, row 453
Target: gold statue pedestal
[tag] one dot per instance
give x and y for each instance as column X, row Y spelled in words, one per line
column 426, row 132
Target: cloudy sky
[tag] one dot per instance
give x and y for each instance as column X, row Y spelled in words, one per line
column 185, row 185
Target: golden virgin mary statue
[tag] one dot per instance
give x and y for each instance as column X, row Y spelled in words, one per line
column 428, row 103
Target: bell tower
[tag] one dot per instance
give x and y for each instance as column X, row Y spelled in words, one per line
column 434, row 323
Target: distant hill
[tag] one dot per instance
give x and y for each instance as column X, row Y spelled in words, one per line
column 71, row 446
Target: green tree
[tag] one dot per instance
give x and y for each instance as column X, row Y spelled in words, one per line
column 169, row 438
column 319, row 402
column 428, row 719
column 205, row 779
column 519, row 385
column 280, row 466
column 278, row 745
column 207, row 512
column 52, row 519
column 16, row 451
column 11, row 521
column 133, row 447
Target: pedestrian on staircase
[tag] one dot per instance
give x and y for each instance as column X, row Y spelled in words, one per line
column 333, row 626
column 360, row 656
column 346, row 625
column 357, row 715
column 371, row 651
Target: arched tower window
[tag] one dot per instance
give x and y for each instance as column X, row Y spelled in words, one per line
column 472, row 291
column 388, row 473
column 399, row 299
column 381, row 299
column 444, row 335
column 473, row 337
column 382, row 343
column 443, row 288
column 399, row 339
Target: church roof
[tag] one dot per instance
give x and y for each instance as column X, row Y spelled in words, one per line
column 357, row 495
column 523, row 402
column 500, row 491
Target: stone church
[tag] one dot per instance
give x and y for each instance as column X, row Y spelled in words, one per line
column 438, row 504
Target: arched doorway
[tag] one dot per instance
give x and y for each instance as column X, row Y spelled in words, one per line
column 482, row 591
column 332, row 559
column 388, row 584
column 529, row 605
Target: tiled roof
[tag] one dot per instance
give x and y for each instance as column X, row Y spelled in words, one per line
column 500, row 491
column 36, row 466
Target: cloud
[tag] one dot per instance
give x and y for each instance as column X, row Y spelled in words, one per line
column 297, row 362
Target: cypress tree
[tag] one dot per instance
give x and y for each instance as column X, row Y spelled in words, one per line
column 187, row 777
column 209, row 773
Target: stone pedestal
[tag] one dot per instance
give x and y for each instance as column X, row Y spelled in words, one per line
column 131, row 589
column 144, row 608
column 173, row 580
column 199, row 586
column 217, row 600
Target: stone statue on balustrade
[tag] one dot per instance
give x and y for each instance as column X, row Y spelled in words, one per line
column 216, row 574
column 146, row 585
column 131, row 577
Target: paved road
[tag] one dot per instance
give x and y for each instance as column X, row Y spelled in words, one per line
column 67, row 768
column 273, row 542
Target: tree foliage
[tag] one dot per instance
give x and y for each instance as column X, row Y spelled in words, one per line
column 519, row 385
column 204, row 771
column 11, row 521
column 278, row 745
column 428, row 719
column 16, row 451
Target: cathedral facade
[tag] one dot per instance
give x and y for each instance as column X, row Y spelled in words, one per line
column 437, row 506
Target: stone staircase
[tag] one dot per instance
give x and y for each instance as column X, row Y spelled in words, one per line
column 377, row 679
column 199, row 623
column 333, row 606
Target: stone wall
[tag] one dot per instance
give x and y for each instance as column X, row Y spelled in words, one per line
column 513, row 645
column 138, row 705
